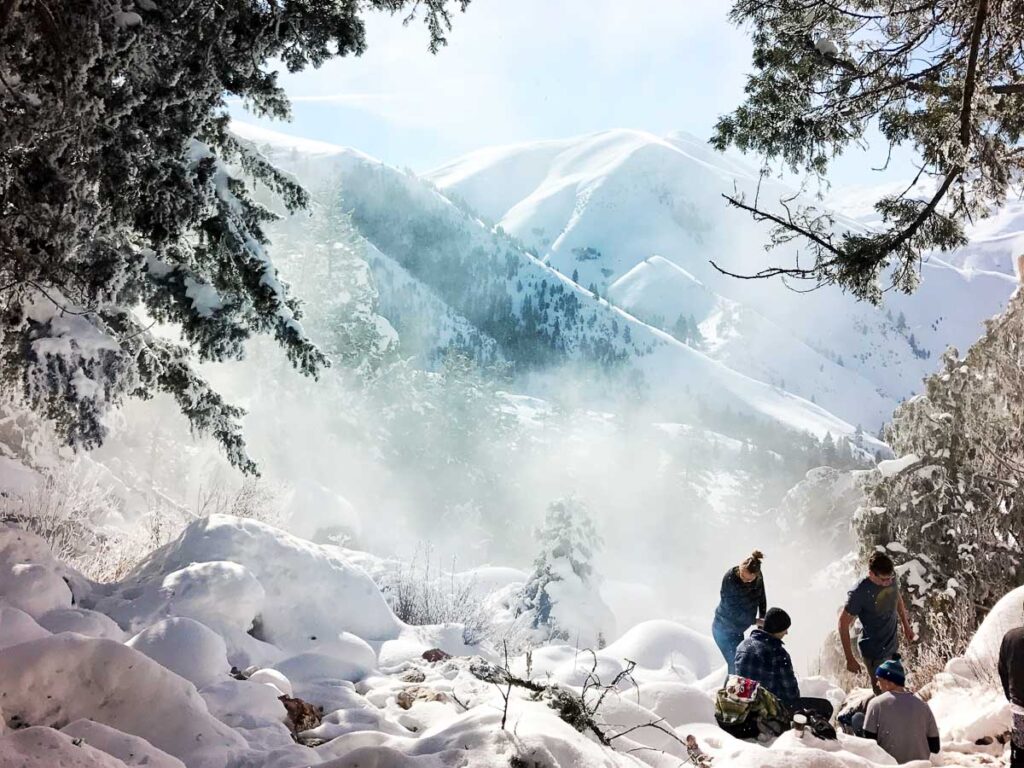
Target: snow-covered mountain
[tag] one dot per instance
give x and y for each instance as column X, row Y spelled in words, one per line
column 536, row 314
column 601, row 206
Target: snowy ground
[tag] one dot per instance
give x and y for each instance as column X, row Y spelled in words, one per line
column 139, row 673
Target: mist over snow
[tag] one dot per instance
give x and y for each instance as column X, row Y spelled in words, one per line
column 550, row 426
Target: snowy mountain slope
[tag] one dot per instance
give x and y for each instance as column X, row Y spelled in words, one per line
column 536, row 314
column 669, row 297
column 995, row 242
column 601, row 204
column 426, row 325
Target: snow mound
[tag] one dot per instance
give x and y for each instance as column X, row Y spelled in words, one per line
column 66, row 677
column 322, row 679
column 217, row 593
column 967, row 698
column 664, row 650
column 535, row 734
column 34, row 588
column 83, row 621
column 187, row 648
column 20, row 547
column 274, row 679
column 677, row 703
column 41, row 747
column 311, row 593
column 244, row 703
column 256, row 713
column 413, row 641
column 130, row 750
column 18, row 627
column 968, row 712
column 789, row 751
column 982, row 655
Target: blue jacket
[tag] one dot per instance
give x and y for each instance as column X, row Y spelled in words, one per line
column 764, row 658
column 740, row 603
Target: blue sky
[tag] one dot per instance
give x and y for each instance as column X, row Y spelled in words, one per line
column 522, row 70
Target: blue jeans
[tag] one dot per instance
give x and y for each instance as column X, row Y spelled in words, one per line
column 727, row 639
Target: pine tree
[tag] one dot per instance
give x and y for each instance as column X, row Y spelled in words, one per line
column 828, row 450
column 120, row 189
column 958, row 508
column 942, row 78
column 569, row 541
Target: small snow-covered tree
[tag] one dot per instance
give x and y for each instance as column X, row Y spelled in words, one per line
column 328, row 268
column 941, row 78
column 117, row 206
column 952, row 513
column 561, row 597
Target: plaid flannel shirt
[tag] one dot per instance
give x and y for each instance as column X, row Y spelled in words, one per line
column 763, row 658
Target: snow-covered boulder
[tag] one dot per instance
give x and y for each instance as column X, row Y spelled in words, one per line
column 187, row 648
column 17, row 627
column 19, row 547
column 316, row 677
column 42, row 747
column 34, row 588
column 274, row 679
column 311, row 593
column 130, row 750
column 665, row 650
column 83, row 621
column 255, row 711
column 66, row 677
column 216, row 593
column 244, row 703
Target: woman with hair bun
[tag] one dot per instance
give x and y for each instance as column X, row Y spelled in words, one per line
column 742, row 605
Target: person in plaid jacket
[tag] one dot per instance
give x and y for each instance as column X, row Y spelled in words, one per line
column 763, row 657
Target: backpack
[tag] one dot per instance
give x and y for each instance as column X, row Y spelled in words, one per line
column 745, row 709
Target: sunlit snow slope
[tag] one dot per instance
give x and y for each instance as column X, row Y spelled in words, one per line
column 601, row 206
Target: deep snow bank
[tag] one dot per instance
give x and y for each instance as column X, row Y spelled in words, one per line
column 234, row 571
column 79, row 691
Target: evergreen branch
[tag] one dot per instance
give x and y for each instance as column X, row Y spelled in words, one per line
column 1008, row 88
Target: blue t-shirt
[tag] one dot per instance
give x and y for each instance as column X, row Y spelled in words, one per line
column 875, row 606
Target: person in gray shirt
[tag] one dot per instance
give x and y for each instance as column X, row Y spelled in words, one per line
column 901, row 723
column 877, row 602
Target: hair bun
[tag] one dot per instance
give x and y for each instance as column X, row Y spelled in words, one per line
column 757, row 554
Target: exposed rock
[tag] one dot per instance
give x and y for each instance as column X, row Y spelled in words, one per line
column 302, row 716
column 413, row 676
column 435, row 655
column 406, row 698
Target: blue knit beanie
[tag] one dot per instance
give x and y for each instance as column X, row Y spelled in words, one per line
column 892, row 671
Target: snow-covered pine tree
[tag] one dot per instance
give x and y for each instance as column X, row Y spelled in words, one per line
column 941, row 78
column 117, row 208
column 561, row 597
column 952, row 515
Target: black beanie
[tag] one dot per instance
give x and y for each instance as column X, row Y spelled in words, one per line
column 776, row 620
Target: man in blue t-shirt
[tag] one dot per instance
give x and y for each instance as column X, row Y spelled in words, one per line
column 877, row 602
